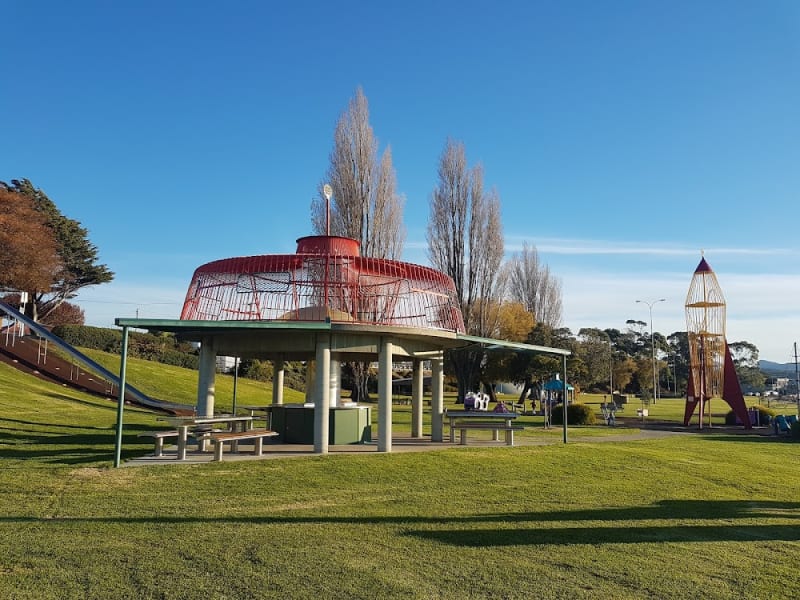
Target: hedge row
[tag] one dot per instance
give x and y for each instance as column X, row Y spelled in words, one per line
column 163, row 348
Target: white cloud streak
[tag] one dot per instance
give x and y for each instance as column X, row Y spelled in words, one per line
column 566, row 246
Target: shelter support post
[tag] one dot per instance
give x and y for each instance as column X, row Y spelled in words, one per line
column 207, row 378
column 121, row 402
column 437, row 399
column 416, row 398
column 335, row 379
column 385, row 396
column 323, row 396
column 235, row 381
column 277, row 381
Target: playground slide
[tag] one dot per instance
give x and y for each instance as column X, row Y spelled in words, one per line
column 140, row 397
column 783, row 423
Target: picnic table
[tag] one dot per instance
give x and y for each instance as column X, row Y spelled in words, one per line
column 494, row 421
column 197, row 423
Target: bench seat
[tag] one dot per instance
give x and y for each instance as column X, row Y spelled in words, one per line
column 257, row 435
column 158, row 438
column 487, row 426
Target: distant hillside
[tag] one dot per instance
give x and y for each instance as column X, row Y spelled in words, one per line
column 777, row 369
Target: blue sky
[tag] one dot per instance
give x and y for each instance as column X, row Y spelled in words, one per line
column 623, row 137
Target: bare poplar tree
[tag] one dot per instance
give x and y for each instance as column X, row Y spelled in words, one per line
column 531, row 283
column 465, row 241
column 365, row 204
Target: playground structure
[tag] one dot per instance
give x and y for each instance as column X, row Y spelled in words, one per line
column 712, row 373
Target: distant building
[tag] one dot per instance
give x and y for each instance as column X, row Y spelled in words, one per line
column 225, row 364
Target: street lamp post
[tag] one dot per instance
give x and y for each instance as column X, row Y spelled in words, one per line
column 653, row 343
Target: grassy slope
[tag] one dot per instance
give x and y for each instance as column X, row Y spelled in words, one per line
column 712, row 516
column 175, row 384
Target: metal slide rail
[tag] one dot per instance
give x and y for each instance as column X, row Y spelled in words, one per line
column 140, row 397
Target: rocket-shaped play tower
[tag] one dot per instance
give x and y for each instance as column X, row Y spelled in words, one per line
column 712, row 374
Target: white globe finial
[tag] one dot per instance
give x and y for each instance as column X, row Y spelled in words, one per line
column 327, row 191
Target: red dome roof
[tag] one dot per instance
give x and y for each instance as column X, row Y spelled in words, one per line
column 327, row 279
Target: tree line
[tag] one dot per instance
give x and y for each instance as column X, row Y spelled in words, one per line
column 609, row 360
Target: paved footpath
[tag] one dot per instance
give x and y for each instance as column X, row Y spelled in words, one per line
column 406, row 444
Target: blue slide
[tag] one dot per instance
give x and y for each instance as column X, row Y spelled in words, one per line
column 781, row 424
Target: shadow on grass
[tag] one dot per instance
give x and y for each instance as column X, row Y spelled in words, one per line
column 611, row 535
column 49, row 425
column 719, row 433
column 537, row 528
column 752, row 439
column 70, row 448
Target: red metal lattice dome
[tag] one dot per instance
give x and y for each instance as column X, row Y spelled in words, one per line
column 327, row 279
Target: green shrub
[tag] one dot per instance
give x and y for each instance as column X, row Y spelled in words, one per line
column 260, row 370
column 96, row 338
column 158, row 347
column 178, row 358
column 294, row 375
column 577, row 414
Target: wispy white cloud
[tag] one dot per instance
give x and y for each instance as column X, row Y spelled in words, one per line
column 600, row 247
column 416, row 244
column 606, row 247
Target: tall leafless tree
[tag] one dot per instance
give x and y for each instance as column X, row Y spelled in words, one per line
column 531, row 283
column 465, row 241
column 365, row 204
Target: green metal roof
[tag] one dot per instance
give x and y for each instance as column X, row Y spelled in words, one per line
column 175, row 325
column 492, row 344
column 211, row 327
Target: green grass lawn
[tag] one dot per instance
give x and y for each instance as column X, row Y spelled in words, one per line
column 174, row 384
column 713, row 515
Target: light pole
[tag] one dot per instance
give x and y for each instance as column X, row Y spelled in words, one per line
column 653, row 343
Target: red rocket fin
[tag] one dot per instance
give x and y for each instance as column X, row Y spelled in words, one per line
column 732, row 391
column 731, row 394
